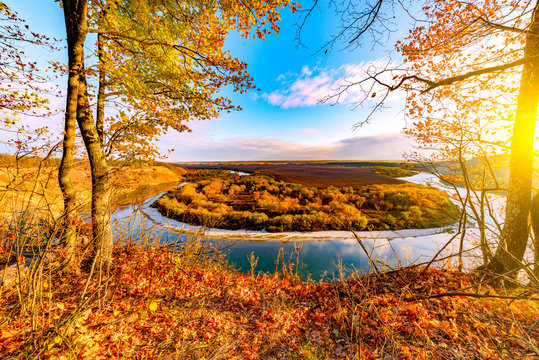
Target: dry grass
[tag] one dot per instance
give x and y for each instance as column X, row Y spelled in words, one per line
column 19, row 187
column 164, row 304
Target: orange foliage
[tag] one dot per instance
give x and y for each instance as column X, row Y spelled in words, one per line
column 160, row 304
column 467, row 122
column 259, row 202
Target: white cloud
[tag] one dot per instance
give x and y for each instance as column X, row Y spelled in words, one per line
column 254, row 96
column 377, row 147
column 280, row 78
column 309, row 131
column 347, row 84
column 306, row 71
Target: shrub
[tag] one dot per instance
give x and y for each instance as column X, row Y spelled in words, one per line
column 415, row 212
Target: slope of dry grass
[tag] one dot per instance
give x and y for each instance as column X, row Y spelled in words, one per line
column 19, row 186
column 160, row 304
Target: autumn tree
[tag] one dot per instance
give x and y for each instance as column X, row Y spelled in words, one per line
column 165, row 75
column 162, row 88
column 468, row 45
column 462, row 141
column 490, row 45
column 24, row 93
column 75, row 15
column 20, row 80
column 22, row 85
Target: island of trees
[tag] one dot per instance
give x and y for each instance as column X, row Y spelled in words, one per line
column 218, row 198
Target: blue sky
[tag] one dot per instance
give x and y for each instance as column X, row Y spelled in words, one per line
column 285, row 119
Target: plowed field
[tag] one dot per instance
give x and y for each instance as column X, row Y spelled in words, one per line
column 319, row 176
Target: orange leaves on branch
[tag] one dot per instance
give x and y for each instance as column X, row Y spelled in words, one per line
column 465, row 124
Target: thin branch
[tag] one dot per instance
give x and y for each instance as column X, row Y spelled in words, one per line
column 300, row 27
column 371, row 18
column 474, row 295
column 453, row 79
column 502, row 27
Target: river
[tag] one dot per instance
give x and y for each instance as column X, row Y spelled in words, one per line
column 319, row 252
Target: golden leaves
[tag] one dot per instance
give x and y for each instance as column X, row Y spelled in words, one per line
column 169, row 74
column 195, row 308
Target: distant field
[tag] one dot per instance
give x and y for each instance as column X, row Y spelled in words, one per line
column 320, row 176
column 352, row 163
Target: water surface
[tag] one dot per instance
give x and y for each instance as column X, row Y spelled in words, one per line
column 317, row 258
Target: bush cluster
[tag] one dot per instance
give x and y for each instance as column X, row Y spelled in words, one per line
column 393, row 171
column 259, row 202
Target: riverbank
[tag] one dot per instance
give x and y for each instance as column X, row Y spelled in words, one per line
column 253, row 235
column 163, row 304
column 18, row 187
column 149, row 196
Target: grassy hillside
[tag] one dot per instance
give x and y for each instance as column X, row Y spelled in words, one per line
column 162, row 304
column 17, row 184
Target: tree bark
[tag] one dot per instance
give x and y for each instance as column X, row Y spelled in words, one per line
column 535, row 227
column 75, row 13
column 78, row 111
column 514, row 236
column 100, row 115
column 101, row 227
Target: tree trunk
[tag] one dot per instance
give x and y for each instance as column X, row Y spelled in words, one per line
column 75, row 13
column 514, row 236
column 100, row 115
column 535, row 227
column 101, row 227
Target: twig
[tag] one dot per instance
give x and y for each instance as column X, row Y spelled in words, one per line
column 467, row 294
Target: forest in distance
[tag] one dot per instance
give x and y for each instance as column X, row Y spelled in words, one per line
column 220, row 199
column 161, row 197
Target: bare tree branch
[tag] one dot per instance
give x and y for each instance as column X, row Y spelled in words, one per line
column 431, row 85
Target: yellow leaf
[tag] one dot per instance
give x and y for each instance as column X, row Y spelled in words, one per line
column 57, row 340
column 153, row 306
column 4, row 334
